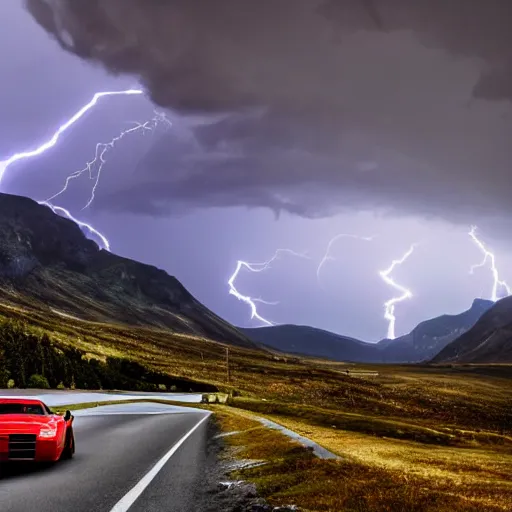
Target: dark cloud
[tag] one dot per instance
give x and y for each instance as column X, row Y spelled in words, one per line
column 329, row 104
column 206, row 55
column 496, row 82
column 256, row 162
column 475, row 29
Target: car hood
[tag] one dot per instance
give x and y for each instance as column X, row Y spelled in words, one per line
column 26, row 423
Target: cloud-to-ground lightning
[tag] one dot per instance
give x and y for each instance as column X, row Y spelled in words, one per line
column 328, row 255
column 83, row 225
column 257, row 267
column 45, row 146
column 389, row 306
column 99, row 156
column 498, row 284
column 101, row 149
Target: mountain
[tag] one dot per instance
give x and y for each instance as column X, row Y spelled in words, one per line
column 431, row 336
column 46, row 262
column 488, row 341
column 310, row 341
column 421, row 344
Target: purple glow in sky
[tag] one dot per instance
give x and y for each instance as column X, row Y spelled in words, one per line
column 391, row 148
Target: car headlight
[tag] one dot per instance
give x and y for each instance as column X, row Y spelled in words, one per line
column 47, row 433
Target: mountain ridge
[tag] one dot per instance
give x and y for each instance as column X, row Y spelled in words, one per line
column 488, row 341
column 306, row 340
column 49, row 260
column 47, row 263
column 420, row 345
column 432, row 335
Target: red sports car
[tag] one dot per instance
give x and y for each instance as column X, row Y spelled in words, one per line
column 30, row 431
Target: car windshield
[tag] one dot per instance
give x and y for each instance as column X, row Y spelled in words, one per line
column 21, row 409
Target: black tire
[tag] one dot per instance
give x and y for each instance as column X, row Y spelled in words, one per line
column 69, row 448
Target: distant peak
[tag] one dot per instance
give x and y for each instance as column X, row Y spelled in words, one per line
column 481, row 303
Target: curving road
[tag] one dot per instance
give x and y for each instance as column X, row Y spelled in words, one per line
column 141, row 457
column 54, row 397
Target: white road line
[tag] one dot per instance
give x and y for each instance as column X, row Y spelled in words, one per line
column 131, row 496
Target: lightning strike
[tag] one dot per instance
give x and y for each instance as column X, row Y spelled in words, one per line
column 498, row 284
column 389, row 306
column 257, row 267
column 45, row 146
column 4, row 164
column 328, row 256
column 99, row 156
column 58, row 210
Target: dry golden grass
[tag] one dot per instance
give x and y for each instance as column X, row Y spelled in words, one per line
column 292, row 475
column 475, row 465
column 414, row 438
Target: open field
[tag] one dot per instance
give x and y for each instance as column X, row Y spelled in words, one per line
column 366, row 482
column 412, row 438
column 372, row 473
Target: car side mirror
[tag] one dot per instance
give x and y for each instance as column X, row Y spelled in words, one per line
column 67, row 416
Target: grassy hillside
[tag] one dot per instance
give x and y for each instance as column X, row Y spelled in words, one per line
column 436, row 437
column 373, row 474
column 34, row 360
column 455, row 395
column 46, row 262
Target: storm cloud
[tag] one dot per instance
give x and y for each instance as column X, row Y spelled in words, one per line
column 324, row 105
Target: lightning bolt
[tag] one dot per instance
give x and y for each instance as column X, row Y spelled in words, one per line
column 328, row 256
column 62, row 211
column 45, row 146
column 257, row 267
column 498, row 284
column 99, row 156
column 4, row 164
column 389, row 306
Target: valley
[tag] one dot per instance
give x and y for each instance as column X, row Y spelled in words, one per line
column 418, row 437
column 415, row 434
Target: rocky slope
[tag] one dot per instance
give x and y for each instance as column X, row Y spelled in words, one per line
column 488, row 341
column 431, row 336
column 47, row 262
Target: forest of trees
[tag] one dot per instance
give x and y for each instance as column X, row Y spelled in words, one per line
column 28, row 359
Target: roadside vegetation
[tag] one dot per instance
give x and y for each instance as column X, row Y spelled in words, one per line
column 410, row 438
column 371, row 475
column 29, row 359
column 293, row 475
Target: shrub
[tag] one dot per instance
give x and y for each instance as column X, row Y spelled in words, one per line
column 4, row 377
column 38, row 382
column 33, row 360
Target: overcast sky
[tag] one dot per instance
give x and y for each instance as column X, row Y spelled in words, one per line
column 292, row 122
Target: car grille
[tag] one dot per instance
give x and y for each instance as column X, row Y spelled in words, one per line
column 22, row 446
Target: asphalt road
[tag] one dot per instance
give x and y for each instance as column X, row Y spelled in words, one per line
column 141, row 457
